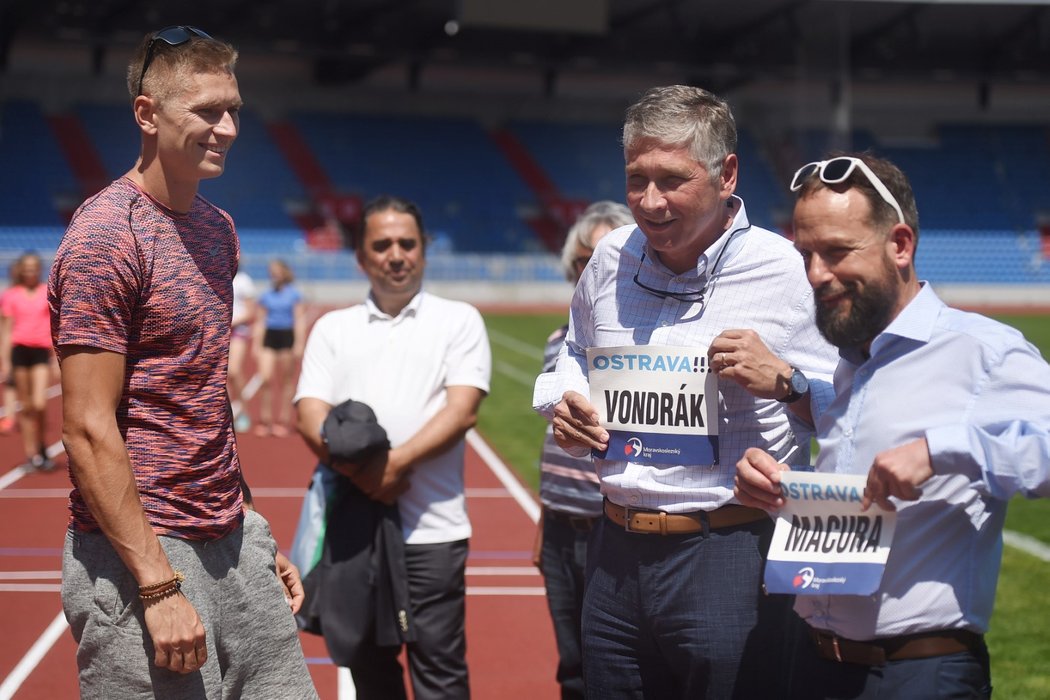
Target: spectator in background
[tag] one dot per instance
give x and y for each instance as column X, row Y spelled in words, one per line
column 569, row 490
column 172, row 585
column 240, row 341
column 422, row 363
column 948, row 415
column 674, row 606
column 280, row 332
column 25, row 355
column 7, row 420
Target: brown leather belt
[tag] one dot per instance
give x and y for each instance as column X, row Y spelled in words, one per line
column 910, row 646
column 658, row 522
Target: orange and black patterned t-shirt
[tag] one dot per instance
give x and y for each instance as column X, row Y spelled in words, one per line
column 135, row 278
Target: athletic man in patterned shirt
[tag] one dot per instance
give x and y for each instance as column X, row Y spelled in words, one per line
column 164, row 560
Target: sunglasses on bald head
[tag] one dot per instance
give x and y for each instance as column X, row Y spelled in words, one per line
column 837, row 170
column 172, row 36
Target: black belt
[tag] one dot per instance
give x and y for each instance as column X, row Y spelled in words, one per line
column 877, row 652
column 579, row 523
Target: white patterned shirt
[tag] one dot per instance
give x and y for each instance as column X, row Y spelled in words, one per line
column 755, row 280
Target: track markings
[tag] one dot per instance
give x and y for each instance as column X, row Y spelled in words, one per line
column 514, row 345
column 1027, row 544
column 509, row 481
column 33, row 657
column 494, row 571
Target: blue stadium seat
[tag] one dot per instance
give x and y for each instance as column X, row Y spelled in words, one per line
column 449, row 167
column 35, row 178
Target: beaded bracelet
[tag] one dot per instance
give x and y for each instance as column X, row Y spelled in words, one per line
column 162, row 589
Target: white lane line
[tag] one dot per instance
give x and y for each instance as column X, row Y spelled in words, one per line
column 20, row 471
column 30, row 587
column 28, row 494
column 33, row 657
column 251, row 387
column 520, row 376
column 496, row 571
column 513, row 344
column 1029, row 545
column 487, row 493
column 12, row 476
column 275, row 492
column 520, row 494
column 52, row 450
column 527, row 503
column 506, row 590
column 29, row 575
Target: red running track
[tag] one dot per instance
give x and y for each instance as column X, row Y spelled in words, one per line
column 510, row 643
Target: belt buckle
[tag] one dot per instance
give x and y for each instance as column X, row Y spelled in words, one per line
column 627, row 520
column 826, row 640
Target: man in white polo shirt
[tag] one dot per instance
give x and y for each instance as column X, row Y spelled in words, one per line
column 422, row 363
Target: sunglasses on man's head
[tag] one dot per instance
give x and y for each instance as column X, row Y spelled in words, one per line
column 837, row 170
column 172, row 36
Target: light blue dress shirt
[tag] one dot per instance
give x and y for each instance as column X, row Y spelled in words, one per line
column 980, row 395
column 754, row 279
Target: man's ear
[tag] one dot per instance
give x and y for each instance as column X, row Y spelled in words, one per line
column 727, row 179
column 902, row 245
column 145, row 110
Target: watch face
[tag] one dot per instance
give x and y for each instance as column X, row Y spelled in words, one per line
column 799, row 383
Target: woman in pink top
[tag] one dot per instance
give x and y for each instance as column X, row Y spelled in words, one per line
column 7, row 419
column 25, row 353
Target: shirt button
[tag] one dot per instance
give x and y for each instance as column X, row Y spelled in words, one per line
column 848, row 432
column 634, row 499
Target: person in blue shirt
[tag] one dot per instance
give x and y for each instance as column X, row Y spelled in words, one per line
column 948, row 414
column 280, row 335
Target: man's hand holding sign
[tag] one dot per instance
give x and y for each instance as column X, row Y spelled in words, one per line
column 827, row 540
column 898, row 472
column 576, row 424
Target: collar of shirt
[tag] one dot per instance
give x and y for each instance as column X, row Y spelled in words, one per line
column 915, row 322
column 377, row 314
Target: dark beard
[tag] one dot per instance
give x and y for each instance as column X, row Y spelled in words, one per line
column 870, row 312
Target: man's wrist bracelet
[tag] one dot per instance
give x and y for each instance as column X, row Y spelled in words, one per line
column 159, row 590
column 163, row 593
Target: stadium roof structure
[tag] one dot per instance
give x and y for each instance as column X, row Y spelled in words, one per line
column 575, row 48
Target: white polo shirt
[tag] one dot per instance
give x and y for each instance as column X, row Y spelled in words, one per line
column 400, row 366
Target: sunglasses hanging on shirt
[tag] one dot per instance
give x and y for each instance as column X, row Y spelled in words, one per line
column 694, row 297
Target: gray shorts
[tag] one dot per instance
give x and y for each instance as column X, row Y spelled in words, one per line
column 253, row 643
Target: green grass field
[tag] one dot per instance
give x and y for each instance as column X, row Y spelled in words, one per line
column 1019, row 638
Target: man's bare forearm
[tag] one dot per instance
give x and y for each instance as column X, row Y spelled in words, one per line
column 91, row 385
